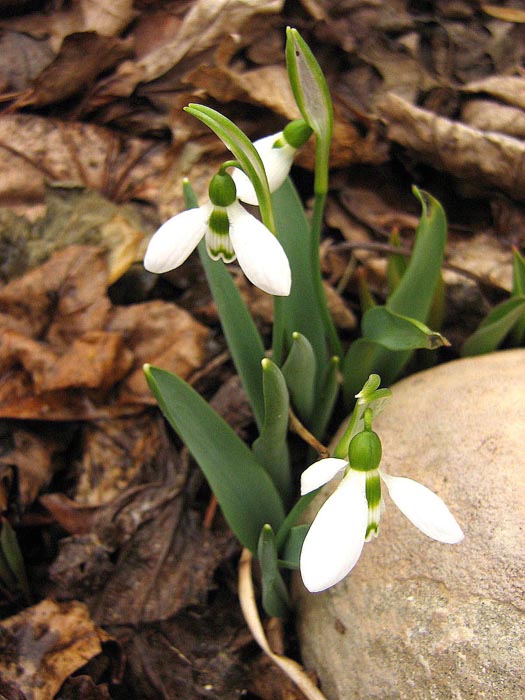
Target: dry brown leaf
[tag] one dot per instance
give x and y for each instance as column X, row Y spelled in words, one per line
column 34, row 150
column 64, row 350
column 22, row 58
column 44, row 644
column 82, row 57
column 507, row 88
column 204, row 26
column 487, row 115
column 481, row 159
column 83, row 16
column 507, row 14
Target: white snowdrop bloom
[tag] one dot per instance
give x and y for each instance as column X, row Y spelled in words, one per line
column 350, row 516
column 277, row 152
column 230, row 232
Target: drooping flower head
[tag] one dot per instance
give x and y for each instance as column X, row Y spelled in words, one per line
column 350, row 516
column 277, row 152
column 230, row 232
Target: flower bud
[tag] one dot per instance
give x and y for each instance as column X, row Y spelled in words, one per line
column 364, row 451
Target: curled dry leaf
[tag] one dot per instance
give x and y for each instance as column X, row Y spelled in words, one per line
column 22, row 58
column 82, row 16
column 206, row 23
column 64, row 349
column 44, row 644
column 34, row 151
column 482, row 159
column 507, row 88
column 487, row 115
column 82, row 57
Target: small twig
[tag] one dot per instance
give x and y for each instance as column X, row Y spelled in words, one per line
column 306, row 435
column 210, row 513
column 293, row 670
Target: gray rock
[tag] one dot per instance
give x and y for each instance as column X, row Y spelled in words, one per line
column 421, row 620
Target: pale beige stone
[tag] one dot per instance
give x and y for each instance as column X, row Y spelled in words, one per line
column 421, row 620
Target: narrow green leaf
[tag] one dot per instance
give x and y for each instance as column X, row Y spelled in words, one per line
column 244, row 151
column 244, row 490
column 12, row 556
column 517, row 334
column 240, row 331
column 395, row 332
column 292, row 549
column 299, row 371
column 413, row 298
column 242, row 336
column 292, row 518
column 271, row 447
column 366, row 299
column 495, row 327
column 275, row 598
column 299, row 311
column 324, row 404
column 396, row 264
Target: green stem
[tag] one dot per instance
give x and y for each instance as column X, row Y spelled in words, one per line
column 315, row 241
column 278, row 330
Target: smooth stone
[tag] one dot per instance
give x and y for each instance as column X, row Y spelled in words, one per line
column 421, row 620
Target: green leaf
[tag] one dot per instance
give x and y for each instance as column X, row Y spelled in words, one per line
column 396, row 264
column 244, row 342
column 275, row 598
column 495, row 327
column 12, row 567
column 271, row 447
column 244, row 151
column 412, row 298
column 309, row 85
column 299, row 311
column 292, row 549
column 395, row 332
column 292, row 518
column 324, row 404
column 299, row 371
column 244, row 490
column 242, row 336
column 517, row 334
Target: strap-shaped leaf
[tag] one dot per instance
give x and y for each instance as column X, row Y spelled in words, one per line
column 271, row 447
column 495, row 327
column 12, row 568
column 240, row 331
column 244, row 490
column 413, row 298
column 395, row 332
column 324, row 404
column 292, row 549
column 299, row 311
column 244, row 151
column 517, row 334
column 275, row 598
column 299, row 371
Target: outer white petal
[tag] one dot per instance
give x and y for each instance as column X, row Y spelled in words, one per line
column 277, row 163
column 176, row 239
column 320, row 473
column 259, row 253
column 336, row 537
column 423, row 508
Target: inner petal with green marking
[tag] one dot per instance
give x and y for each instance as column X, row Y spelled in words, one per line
column 218, row 241
column 373, row 497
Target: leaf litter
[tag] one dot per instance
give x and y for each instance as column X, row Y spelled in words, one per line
column 93, row 149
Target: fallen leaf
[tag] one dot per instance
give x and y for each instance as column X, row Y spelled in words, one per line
column 507, row 14
column 35, row 151
column 44, row 644
column 487, row 115
column 82, row 57
column 481, row 159
column 507, row 88
column 22, row 58
column 82, row 16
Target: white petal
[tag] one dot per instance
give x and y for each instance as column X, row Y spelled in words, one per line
column 259, row 253
column 320, row 473
column 423, row 508
column 176, row 239
column 277, row 163
column 336, row 537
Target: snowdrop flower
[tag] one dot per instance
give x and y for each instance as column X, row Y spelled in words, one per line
column 230, row 232
column 277, row 153
column 350, row 516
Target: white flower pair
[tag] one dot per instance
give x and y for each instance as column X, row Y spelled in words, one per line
column 350, row 516
column 229, row 230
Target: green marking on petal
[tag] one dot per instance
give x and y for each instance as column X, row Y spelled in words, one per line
column 373, row 497
column 219, row 247
column 219, row 222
